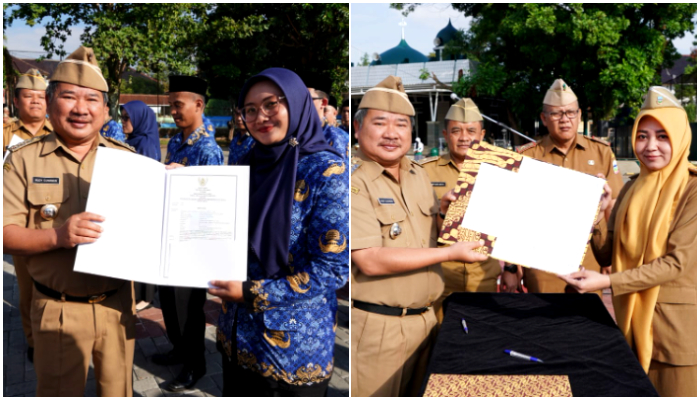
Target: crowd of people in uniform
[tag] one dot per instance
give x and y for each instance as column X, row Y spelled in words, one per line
column 644, row 243
column 276, row 330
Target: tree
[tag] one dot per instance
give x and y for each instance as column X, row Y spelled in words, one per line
column 364, row 60
column 609, row 53
column 312, row 38
column 147, row 37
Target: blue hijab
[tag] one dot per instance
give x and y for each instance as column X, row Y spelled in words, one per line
column 273, row 170
column 144, row 138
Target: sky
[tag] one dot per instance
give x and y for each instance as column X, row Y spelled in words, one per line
column 374, row 28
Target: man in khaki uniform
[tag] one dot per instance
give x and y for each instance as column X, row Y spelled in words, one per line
column 463, row 126
column 566, row 148
column 30, row 101
column 396, row 275
column 75, row 317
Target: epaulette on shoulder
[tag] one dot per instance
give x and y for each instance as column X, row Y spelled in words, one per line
column 35, row 139
column 693, row 169
column 355, row 163
column 524, row 147
column 598, row 140
column 427, row 160
column 119, row 143
column 417, row 163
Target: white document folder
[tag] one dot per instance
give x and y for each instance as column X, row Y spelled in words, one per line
column 180, row 227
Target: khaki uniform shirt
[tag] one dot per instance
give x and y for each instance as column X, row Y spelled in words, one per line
column 17, row 128
column 378, row 201
column 674, row 324
column 590, row 156
column 44, row 171
column 443, row 173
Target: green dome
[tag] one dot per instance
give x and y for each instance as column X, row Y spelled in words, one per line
column 446, row 34
column 401, row 54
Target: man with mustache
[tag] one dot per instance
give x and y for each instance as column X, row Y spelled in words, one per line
column 30, row 101
column 463, row 127
column 566, row 148
column 182, row 306
column 75, row 317
column 396, row 275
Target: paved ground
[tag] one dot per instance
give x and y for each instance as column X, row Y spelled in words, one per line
column 19, row 378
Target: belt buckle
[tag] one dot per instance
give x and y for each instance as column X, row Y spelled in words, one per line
column 96, row 298
column 404, row 311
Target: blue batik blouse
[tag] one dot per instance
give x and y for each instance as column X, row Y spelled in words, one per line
column 113, row 130
column 239, row 147
column 200, row 148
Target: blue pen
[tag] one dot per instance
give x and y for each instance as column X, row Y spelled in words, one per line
column 522, row 356
column 464, row 325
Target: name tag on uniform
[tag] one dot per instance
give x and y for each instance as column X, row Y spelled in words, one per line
column 383, row 200
column 53, row 181
column 439, row 184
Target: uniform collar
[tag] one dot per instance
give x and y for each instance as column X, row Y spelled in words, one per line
column 446, row 159
column 195, row 136
column 374, row 170
column 52, row 142
column 548, row 144
column 46, row 126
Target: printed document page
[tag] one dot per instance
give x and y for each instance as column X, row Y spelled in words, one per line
column 559, row 206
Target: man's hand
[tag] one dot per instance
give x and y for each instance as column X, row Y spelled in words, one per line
column 446, row 199
column 510, row 283
column 79, row 229
column 173, row 166
column 584, row 281
column 464, row 252
column 227, row 290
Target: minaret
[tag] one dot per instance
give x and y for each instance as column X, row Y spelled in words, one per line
column 403, row 24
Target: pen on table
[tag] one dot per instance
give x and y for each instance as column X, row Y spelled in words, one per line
column 464, row 325
column 522, row 356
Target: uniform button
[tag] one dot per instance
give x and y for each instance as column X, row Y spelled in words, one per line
column 411, row 213
column 423, row 242
column 392, row 216
column 47, row 198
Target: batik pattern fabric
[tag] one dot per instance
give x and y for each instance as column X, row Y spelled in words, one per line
column 338, row 139
column 200, row 148
column 113, row 130
column 241, row 144
column 286, row 326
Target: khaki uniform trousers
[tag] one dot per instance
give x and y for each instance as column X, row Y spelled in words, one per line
column 673, row 380
column 68, row 334
column 389, row 354
column 26, row 287
column 472, row 278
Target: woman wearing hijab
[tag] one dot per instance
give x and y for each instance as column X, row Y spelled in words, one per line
column 140, row 126
column 276, row 330
column 142, row 129
column 651, row 242
column 241, row 141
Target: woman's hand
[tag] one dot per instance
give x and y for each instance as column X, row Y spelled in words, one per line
column 584, row 281
column 227, row 290
column 173, row 166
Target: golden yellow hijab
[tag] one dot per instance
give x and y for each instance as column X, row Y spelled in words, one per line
column 644, row 218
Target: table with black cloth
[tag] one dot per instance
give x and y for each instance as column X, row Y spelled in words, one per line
column 573, row 334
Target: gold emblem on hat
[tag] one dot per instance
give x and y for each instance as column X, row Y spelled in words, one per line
column 395, row 230
column 48, row 212
column 301, row 191
column 332, row 237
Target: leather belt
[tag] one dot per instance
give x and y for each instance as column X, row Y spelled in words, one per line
column 78, row 299
column 386, row 310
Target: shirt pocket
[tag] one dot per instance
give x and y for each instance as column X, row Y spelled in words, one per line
column 388, row 215
column 42, row 198
column 429, row 209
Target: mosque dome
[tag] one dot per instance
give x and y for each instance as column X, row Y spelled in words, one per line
column 401, row 54
column 445, row 35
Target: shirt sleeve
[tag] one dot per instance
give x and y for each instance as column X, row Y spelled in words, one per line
column 325, row 237
column 681, row 254
column 366, row 229
column 14, row 199
column 213, row 156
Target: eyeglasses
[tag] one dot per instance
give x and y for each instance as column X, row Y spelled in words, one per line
column 269, row 108
column 556, row 116
column 124, row 118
